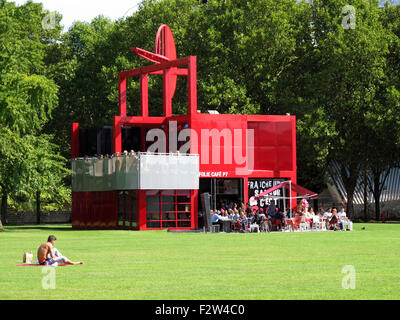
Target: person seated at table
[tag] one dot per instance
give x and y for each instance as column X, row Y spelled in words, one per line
column 328, row 214
column 236, row 216
column 312, row 212
column 345, row 221
column 262, row 214
column 236, row 222
column 222, row 213
column 265, row 224
column 279, row 219
column 216, row 219
column 334, row 221
column 256, row 217
column 271, row 209
column 243, row 220
column 308, row 216
column 297, row 219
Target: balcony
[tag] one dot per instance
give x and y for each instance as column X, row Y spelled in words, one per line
column 143, row 171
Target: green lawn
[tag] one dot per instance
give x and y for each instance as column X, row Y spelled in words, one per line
column 173, row 266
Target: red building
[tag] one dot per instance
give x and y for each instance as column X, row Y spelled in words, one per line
column 238, row 156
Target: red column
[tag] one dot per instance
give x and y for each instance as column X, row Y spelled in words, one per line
column 194, row 199
column 167, row 93
column 192, row 86
column 122, row 96
column 144, row 95
column 117, row 135
column 75, row 140
column 246, row 190
column 142, row 218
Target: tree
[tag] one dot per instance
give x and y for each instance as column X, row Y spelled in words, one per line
column 340, row 72
column 27, row 98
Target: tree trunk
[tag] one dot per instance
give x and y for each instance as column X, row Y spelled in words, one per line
column 349, row 178
column 350, row 207
column 377, row 197
column 38, row 207
column 4, row 205
column 366, row 200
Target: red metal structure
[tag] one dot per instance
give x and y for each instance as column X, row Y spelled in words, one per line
column 272, row 151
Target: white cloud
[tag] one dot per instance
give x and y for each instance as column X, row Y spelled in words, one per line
column 86, row 10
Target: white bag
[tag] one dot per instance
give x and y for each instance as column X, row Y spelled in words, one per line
column 28, row 258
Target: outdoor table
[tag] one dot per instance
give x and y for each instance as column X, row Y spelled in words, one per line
column 226, row 225
column 290, row 222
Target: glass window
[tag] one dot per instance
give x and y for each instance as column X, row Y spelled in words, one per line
column 183, row 207
column 168, row 199
column 153, row 224
column 168, row 207
column 169, row 216
column 184, row 224
column 183, row 199
column 163, row 209
column 153, row 216
column 153, row 207
column 127, row 209
column 168, row 193
column 183, row 215
column 169, row 224
column 153, row 199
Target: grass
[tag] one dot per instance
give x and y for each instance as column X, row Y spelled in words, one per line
column 159, row 265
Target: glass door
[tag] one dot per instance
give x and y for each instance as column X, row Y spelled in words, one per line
column 127, row 210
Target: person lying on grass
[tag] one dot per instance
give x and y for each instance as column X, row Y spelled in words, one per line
column 47, row 255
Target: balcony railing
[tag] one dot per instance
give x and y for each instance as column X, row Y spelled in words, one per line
column 144, row 171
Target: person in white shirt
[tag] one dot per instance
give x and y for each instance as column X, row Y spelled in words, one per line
column 344, row 220
column 328, row 214
column 308, row 217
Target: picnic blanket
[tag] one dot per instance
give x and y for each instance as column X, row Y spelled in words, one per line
column 36, row 265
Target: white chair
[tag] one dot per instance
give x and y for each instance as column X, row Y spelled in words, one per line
column 254, row 227
column 322, row 223
column 347, row 223
column 304, row 224
column 316, row 224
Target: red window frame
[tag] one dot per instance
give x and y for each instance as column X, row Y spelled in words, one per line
column 174, row 223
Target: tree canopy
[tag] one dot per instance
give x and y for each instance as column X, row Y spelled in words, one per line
column 332, row 63
column 28, row 159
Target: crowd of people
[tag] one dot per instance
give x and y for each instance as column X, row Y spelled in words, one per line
column 245, row 218
column 132, row 153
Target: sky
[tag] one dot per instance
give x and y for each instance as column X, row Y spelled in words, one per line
column 86, row 10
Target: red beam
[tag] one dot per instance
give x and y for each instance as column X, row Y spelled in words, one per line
column 155, row 67
column 141, row 120
column 177, row 72
column 192, row 86
column 150, row 56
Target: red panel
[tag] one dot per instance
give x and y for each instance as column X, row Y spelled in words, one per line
column 94, row 210
column 273, row 145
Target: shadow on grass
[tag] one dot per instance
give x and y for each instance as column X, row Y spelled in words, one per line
column 40, row 227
